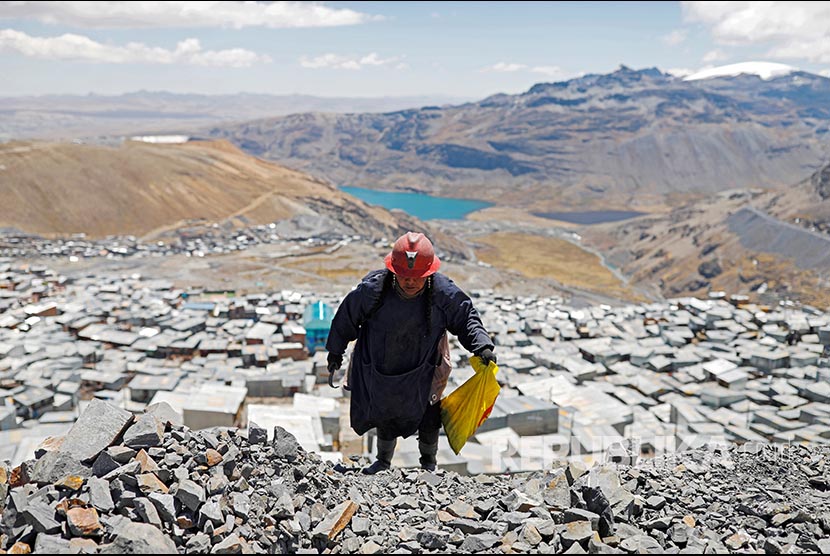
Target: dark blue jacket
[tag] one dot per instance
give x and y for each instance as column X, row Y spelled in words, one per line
column 393, row 363
column 398, row 341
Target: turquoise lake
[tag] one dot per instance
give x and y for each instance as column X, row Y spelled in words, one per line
column 420, row 205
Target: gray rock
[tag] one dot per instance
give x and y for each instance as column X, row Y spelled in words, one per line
column 755, row 522
column 231, row 545
column 147, row 512
column 104, row 464
column 371, row 547
column 557, row 495
column 256, row 434
column 100, row 495
column 679, row 533
column 530, row 534
column 284, row 507
column 54, row 466
column 433, row 540
column 217, row 484
column 405, row 502
column 165, row 413
column 146, row 432
column 241, row 504
column 576, row 532
column 737, row 540
column 574, row 471
column 479, row 542
column 190, row 494
column 518, row 501
column 598, row 503
column 461, row 509
column 626, row 531
column 575, row 514
column 360, row 525
column 126, row 472
column 469, row 526
column 41, row 517
column 121, row 454
column 172, row 460
column 210, row 439
column 641, row 544
column 514, row 520
column 98, row 427
column 52, row 544
column 198, row 544
column 351, row 545
column 285, row 446
column 430, row 478
column 655, row 502
column 165, row 506
column 139, row 538
column 771, row 546
column 211, row 511
column 597, row 547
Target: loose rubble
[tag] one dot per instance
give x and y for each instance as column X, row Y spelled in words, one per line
column 274, row 497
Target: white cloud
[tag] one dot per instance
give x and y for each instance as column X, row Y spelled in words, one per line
column 825, row 73
column 793, row 30
column 552, row 72
column 337, row 61
column 714, row 56
column 678, row 36
column 79, row 47
column 504, row 67
column 188, row 14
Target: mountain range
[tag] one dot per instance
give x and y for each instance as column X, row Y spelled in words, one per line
column 89, row 117
column 634, row 138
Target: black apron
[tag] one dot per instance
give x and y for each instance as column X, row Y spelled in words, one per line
column 395, row 402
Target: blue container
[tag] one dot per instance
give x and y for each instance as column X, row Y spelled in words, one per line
column 317, row 319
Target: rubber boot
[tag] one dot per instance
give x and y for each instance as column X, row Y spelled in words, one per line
column 386, row 449
column 429, row 453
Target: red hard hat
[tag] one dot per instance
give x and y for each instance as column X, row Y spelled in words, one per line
column 412, row 257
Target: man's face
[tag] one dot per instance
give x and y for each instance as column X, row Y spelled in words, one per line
column 411, row 286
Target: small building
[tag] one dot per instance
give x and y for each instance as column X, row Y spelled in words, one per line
column 317, row 319
column 292, row 350
column 33, row 402
column 260, row 333
column 8, row 417
column 144, row 387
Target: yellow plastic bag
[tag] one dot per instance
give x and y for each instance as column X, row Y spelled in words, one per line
column 463, row 411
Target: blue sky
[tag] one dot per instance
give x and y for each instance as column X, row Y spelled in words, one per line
column 461, row 49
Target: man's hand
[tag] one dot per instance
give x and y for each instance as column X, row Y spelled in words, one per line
column 335, row 362
column 487, row 356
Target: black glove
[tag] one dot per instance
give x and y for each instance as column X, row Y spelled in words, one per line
column 487, row 356
column 335, row 362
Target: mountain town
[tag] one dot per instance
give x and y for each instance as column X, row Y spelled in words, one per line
column 268, row 287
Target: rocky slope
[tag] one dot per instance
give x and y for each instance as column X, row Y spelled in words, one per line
column 629, row 138
column 116, row 483
column 742, row 241
column 141, row 188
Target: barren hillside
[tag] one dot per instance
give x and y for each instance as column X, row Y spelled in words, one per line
column 138, row 189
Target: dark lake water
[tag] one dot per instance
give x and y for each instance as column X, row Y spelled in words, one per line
column 591, row 217
column 421, row 205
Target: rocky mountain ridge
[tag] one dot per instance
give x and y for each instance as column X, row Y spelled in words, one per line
column 628, row 138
